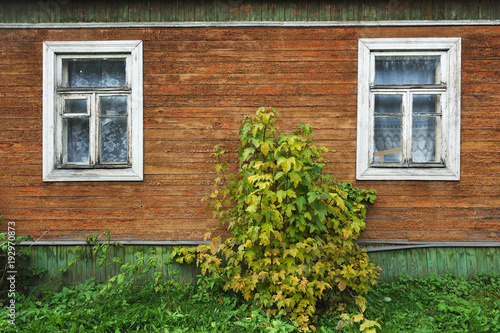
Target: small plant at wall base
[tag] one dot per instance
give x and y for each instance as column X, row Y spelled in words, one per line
column 292, row 227
column 14, row 258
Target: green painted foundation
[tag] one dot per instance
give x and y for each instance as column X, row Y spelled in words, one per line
column 414, row 262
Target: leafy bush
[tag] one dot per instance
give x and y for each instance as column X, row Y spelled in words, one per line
column 292, row 227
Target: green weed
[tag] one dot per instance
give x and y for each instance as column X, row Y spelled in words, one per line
column 432, row 304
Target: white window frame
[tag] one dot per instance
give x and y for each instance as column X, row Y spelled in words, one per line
column 52, row 50
column 450, row 49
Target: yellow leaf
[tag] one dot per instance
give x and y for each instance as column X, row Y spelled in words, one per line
column 265, row 118
column 344, row 316
column 357, row 318
column 361, row 302
column 265, row 147
column 257, row 165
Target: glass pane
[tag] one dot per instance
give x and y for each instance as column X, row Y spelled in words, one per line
column 96, row 73
column 113, row 105
column 75, row 106
column 114, row 140
column 425, row 139
column 76, row 140
column 426, row 104
column 397, row 70
column 387, row 143
column 388, row 104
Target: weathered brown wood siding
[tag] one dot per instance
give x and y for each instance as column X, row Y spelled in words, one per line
column 198, row 84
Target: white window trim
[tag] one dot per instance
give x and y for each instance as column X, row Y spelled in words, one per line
column 451, row 116
column 51, row 49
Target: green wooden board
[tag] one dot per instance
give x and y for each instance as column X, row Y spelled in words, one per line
column 461, row 257
column 471, row 262
column 431, row 261
column 419, row 262
column 45, row 11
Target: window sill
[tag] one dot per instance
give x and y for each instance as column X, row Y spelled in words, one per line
column 69, row 175
column 429, row 174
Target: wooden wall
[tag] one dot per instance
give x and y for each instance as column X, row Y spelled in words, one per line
column 465, row 262
column 56, row 11
column 198, row 84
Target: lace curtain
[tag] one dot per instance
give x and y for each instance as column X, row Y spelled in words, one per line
column 114, row 129
column 96, row 73
column 388, row 109
column 112, row 120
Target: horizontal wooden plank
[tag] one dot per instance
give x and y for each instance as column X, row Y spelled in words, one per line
column 252, row 90
column 389, row 201
column 230, row 126
column 306, row 78
column 249, row 33
column 175, row 205
column 432, row 213
column 232, row 115
column 153, row 180
column 254, row 56
column 119, row 215
column 471, row 135
column 435, row 236
column 236, row 67
column 118, row 234
column 184, row 34
column 296, row 43
column 423, row 225
column 199, row 186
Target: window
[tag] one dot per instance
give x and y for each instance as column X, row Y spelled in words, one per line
column 92, row 111
column 408, row 109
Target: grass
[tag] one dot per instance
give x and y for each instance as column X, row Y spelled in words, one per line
column 432, row 304
column 437, row 304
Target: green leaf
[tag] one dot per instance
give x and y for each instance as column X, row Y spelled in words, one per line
column 281, row 195
column 300, row 202
column 285, row 163
column 313, row 196
column 294, row 178
column 247, row 153
column 256, row 128
column 265, row 147
column 321, row 213
column 265, row 117
column 278, row 175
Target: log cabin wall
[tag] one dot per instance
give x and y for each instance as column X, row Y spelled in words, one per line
column 200, row 81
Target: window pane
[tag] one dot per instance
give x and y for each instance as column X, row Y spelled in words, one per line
column 397, row 70
column 96, row 73
column 425, row 139
column 114, row 140
column 113, row 105
column 76, row 140
column 387, row 143
column 426, row 104
column 388, row 104
column 75, row 106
